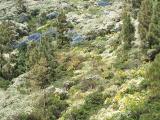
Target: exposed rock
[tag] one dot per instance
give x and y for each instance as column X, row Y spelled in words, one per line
column 23, row 17
column 103, row 3
column 68, row 84
column 52, row 15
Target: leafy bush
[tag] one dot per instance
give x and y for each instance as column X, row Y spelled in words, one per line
column 50, row 107
column 153, row 77
column 28, row 117
column 4, row 83
column 92, row 103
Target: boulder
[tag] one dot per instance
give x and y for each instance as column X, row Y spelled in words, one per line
column 31, row 38
column 68, row 84
column 61, row 92
column 34, row 37
column 151, row 53
column 52, row 15
column 103, row 3
column 23, row 17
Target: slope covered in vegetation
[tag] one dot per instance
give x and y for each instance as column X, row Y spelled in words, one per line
column 80, row 60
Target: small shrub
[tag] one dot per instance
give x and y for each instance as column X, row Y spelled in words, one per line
column 4, row 84
column 93, row 102
column 51, row 107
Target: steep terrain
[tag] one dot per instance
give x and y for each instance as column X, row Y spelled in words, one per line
column 95, row 78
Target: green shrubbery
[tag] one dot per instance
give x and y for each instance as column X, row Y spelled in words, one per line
column 153, row 77
column 93, row 102
column 51, row 107
column 6, row 37
column 4, row 83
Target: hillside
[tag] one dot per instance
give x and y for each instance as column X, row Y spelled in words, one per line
column 79, row 60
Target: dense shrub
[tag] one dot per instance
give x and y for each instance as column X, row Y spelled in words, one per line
column 93, row 102
column 20, row 61
column 50, row 107
column 7, row 35
column 153, row 77
column 4, row 83
column 153, row 36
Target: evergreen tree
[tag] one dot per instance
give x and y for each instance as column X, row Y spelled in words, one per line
column 145, row 15
column 153, row 36
column 62, row 27
column 127, row 31
column 41, row 61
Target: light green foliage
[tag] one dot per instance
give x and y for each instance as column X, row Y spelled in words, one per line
column 153, row 76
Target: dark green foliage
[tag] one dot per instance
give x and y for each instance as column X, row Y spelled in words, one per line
column 20, row 61
column 62, row 27
column 41, row 56
column 153, row 36
column 93, row 102
column 4, row 83
column 56, row 106
column 127, row 31
column 136, row 3
column 144, row 18
column 50, row 107
column 28, row 117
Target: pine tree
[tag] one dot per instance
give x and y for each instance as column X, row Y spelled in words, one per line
column 41, row 61
column 62, row 27
column 127, row 31
column 145, row 15
column 153, row 36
